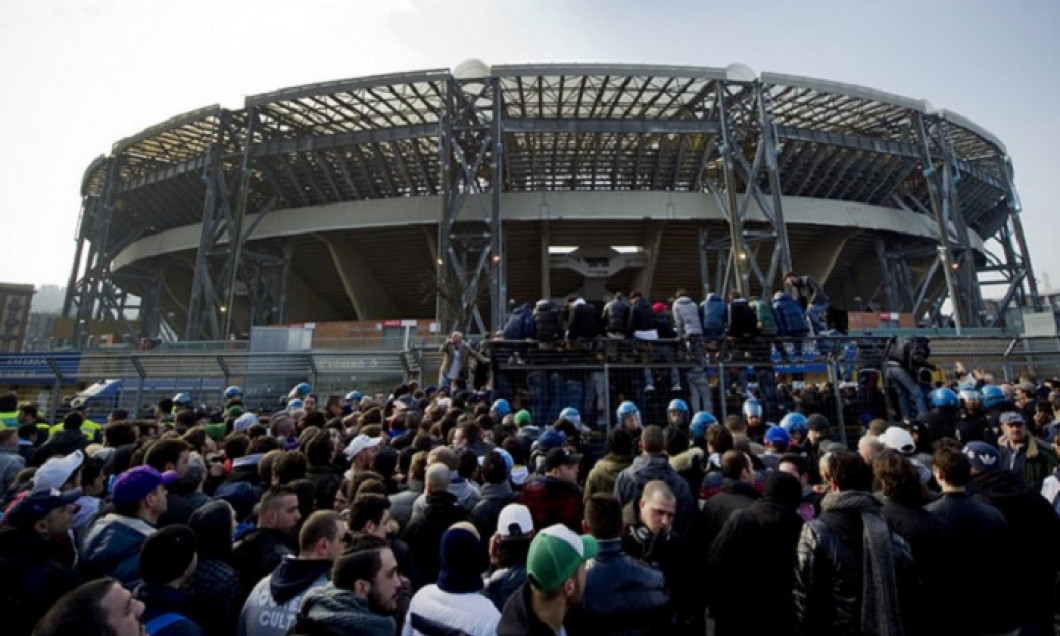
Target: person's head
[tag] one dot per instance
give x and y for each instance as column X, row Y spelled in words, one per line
column 898, row 478
column 214, row 523
column 603, row 516
column 869, row 448
column 847, row 471
column 736, row 465
column 462, row 560
column 782, row 488
column 620, row 442
column 515, row 528
column 321, row 536
column 141, row 492
column 100, row 607
column 817, row 428
column 791, row 278
column 982, row 458
column 562, row 464
column 555, row 565
column 1014, row 426
column 168, row 556
column 370, row 513
column 49, row 513
column 73, row 421
column 168, row 454
column 496, row 466
column 288, row 468
column 371, row 574
column 719, row 439
column 652, row 440
column 657, row 506
column 320, row 449
column 795, row 464
column 119, row 434
column 951, row 467
column 438, row 478
column 278, row 510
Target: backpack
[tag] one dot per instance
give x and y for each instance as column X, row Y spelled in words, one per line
column 520, row 325
column 160, row 622
column 912, row 352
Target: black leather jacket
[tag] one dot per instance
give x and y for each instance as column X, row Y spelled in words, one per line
column 828, row 576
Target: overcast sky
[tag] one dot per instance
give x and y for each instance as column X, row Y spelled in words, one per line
column 76, row 76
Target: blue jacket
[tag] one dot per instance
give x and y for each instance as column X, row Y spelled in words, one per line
column 502, row 583
column 624, row 596
column 714, row 312
column 791, row 321
column 112, row 548
column 631, row 481
column 160, row 600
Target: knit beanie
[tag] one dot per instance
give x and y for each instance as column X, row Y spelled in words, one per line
column 463, row 562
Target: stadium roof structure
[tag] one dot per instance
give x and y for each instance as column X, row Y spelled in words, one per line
column 444, row 193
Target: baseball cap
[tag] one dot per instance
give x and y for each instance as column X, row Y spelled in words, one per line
column 982, row 456
column 57, row 471
column 515, row 521
column 899, row 439
column 508, row 460
column 560, row 457
column 555, row 554
column 778, row 436
column 31, row 507
column 360, row 443
column 1011, row 417
column 551, row 439
column 138, row 482
column 521, row 418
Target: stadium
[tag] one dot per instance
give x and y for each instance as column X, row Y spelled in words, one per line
column 443, row 194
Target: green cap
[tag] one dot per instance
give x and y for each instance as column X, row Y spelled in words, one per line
column 555, row 554
column 521, row 418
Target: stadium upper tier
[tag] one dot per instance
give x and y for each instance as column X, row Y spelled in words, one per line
column 350, row 195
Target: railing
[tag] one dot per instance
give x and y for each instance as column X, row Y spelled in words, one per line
column 606, row 372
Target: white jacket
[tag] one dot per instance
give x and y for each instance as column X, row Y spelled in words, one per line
column 472, row 614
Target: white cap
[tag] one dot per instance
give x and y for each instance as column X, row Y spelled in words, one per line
column 360, row 443
column 245, row 421
column 899, row 439
column 57, row 471
column 516, row 515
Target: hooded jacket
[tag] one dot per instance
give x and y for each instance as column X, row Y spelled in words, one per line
column 111, row 547
column 161, row 599
column 424, row 534
column 616, row 316
column 485, row 513
column 32, row 579
column 604, row 474
column 631, row 481
column 1028, row 515
column 713, row 313
column 11, row 463
column 330, row 611
column 518, row 617
column 546, row 321
column 686, row 317
column 791, row 321
column 272, row 607
column 62, row 442
column 260, row 551
column 552, row 500
column 215, row 586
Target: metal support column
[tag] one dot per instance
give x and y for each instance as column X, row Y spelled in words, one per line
column 471, row 249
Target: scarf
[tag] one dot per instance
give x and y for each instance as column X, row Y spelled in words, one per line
column 880, row 612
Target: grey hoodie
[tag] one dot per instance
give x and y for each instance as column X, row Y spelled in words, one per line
column 686, row 317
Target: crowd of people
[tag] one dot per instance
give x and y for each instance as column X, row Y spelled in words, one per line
column 438, row 511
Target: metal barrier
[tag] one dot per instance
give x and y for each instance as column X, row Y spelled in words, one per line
column 594, row 376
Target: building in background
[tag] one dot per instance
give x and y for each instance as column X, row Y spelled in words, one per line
column 15, row 302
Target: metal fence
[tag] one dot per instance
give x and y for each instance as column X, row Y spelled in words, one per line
column 836, row 376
